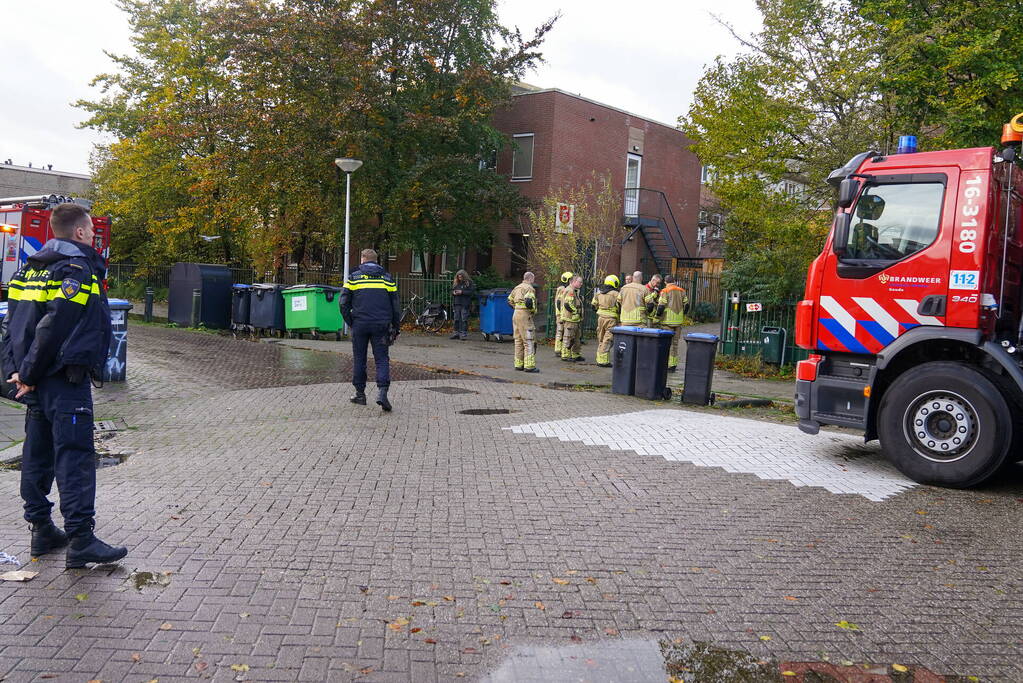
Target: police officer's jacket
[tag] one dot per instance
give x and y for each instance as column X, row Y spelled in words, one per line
column 57, row 313
column 370, row 296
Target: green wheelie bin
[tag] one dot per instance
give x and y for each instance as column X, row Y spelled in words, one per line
column 313, row 310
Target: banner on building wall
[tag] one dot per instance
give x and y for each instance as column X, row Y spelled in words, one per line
column 564, row 219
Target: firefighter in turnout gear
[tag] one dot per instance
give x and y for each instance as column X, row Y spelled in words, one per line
column 605, row 300
column 650, row 301
column 631, row 302
column 559, row 330
column 523, row 300
column 572, row 314
column 669, row 311
column 55, row 338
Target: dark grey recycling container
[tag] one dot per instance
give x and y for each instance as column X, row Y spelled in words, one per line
column 623, row 360
column 652, row 349
column 266, row 307
column 240, row 305
column 700, row 351
column 213, row 281
column 116, row 367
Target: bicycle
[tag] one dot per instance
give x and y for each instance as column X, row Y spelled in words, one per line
column 424, row 313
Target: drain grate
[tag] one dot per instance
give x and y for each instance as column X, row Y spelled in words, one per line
column 451, row 390
column 105, row 426
column 486, row 411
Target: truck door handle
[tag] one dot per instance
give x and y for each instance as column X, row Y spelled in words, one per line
column 933, row 305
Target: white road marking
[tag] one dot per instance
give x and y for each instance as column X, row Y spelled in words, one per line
column 838, row 463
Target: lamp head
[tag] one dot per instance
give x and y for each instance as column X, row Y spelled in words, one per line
column 348, row 165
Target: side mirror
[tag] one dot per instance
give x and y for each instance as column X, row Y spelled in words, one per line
column 840, row 238
column 847, row 192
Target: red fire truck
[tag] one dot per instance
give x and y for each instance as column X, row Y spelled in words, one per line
column 913, row 311
column 25, row 228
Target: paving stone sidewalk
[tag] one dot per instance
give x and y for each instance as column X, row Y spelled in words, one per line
column 310, row 539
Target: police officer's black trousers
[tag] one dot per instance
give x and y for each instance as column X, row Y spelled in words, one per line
column 58, row 444
column 362, row 335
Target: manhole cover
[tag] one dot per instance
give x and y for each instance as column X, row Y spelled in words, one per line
column 486, row 411
column 451, row 390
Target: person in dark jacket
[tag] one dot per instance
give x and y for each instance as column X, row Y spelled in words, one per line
column 462, row 292
column 370, row 307
column 55, row 337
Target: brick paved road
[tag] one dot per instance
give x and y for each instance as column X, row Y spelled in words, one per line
column 310, row 539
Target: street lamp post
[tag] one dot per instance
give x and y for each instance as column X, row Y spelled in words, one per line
column 349, row 166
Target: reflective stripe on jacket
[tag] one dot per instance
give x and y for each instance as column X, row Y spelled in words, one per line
column 571, row 306
column 519, row 296
column 606, row 302
column 370, row 295
column 632, row 306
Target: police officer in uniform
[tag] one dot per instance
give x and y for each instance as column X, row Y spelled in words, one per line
column 55, row 338
column 605, row 300
column 523, row 300
column 370, row 307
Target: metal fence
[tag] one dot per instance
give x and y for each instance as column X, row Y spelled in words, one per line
column 742, row 324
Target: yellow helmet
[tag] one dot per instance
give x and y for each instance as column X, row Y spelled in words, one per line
column 566, row 276
column 612, row 280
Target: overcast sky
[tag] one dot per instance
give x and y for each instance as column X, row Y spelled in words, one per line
column 644, row 56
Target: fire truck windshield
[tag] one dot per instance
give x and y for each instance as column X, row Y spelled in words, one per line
column 894, row 220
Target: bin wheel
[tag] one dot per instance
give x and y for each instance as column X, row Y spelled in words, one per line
column 666, row 394
column 315, row 334
column 337, row 336
column 497, row 338
column 486, row 337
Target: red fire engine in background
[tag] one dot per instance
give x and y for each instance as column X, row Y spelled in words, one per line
column 25, row 228
column 912, row 312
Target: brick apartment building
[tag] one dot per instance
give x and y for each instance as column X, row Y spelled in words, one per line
column 559, row 140
column 25, row 181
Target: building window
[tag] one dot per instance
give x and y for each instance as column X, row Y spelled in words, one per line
column 706, row 174
column 703, row 218
column 633, row 166
column 417, row 262
column 489, row 160
column 522, row 157
column 701, row 236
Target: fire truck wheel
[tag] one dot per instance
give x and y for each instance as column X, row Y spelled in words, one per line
column 946, row 424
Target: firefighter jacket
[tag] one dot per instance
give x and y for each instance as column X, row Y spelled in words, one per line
column 670, row 304
column 523, row 297
column 370, row 295
column 605, row 300
column 571, row 306
column 57, row 313
column 559, row 295
column 633, row 307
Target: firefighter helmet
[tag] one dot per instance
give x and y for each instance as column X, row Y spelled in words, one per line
column 566, row 276
column 612, row 280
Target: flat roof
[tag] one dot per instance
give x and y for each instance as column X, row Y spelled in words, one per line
column 46, row 171
column 527, row 89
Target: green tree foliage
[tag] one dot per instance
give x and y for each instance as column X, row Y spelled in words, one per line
column 233, row 111
column 952, row 70
column 800, row 102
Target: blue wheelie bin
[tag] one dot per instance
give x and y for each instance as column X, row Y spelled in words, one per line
column 495, row 314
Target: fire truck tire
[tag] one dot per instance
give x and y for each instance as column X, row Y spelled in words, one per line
column 946, row 424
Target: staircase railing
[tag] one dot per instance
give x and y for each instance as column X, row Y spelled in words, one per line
column 648, row 208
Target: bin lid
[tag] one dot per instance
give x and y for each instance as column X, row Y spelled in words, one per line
column 651, row 332
column 295, row 289
column 701, row 337
column 265, row 285
column 240, row 286
column 626, row 329
column 495, row 292
column 115, row 304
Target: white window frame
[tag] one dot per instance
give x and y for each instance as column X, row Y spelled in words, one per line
column 417, row 266
column 632, row 198
column 532, row 154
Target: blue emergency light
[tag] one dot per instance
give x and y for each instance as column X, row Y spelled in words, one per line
column 907, row 144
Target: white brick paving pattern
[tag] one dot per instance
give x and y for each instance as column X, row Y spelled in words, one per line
column 838, row 463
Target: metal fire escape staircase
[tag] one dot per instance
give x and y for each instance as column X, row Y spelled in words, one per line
column 647, row 213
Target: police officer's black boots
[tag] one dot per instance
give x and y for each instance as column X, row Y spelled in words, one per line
column 359, row 398
column 46, row 537
column 382, row 400
column 86, row 548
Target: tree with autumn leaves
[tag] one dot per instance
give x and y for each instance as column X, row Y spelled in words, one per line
column 228, row 119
